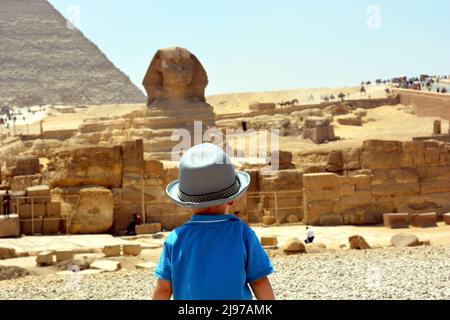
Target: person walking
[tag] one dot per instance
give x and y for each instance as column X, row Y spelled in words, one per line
column 6, row 204
column 309, row 235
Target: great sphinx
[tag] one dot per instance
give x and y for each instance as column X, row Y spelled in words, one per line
column 175, row 76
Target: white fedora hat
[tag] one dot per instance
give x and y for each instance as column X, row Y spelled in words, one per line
column 207, row 179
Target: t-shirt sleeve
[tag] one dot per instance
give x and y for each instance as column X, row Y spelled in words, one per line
column 164, row 268
column 258, row 264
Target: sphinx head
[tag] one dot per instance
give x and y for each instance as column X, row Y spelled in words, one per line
column 175, row 74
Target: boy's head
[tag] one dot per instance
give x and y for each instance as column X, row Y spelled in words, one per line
column 207, row 181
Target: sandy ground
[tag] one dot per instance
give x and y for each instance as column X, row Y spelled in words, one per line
column 376, row 236
column 239, row 102
column 385, row 123
column 55, row 120
column 223, row 104
column 332, row 237
column 381, row 273
column 31, row 245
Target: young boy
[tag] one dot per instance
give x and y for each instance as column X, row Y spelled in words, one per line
column 214, row 256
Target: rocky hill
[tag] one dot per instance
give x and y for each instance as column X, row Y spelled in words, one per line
column 41, row 57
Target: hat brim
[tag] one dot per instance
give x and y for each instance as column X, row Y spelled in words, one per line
column 173, row 188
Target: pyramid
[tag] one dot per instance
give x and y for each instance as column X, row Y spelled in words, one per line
column 43, row 59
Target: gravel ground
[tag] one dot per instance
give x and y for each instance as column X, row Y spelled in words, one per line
column 390, row 273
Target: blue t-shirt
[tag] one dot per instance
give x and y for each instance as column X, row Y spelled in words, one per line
column 213, row 257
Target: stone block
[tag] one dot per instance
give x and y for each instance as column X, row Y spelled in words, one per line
column 18, row 183
column 322, row 195
column 446, row 218
column 405, row 240
column 106, row 265
column 40, row 200
column 320, row 181
column 64, row 255
column 25, row 211
column 382, row 145
column 269, row 220
column 51, row 226
column 7, row 253
column 335, row 161
column 53, row 209
column 352, row 159
column 269, row 241
column 358, row 242
column 31, row 227
column 331, row 219
column 95, row 211
column 26, row 165
column 422, row 203
column 435, row 185
column 294, row 245
column 424, row 220
column 314, row 209
column 45, row 258
column 38, row 210
column 262, row 106
column 148, row 228
column 395, row 189
column 132, row 249
column 95, row 165
column 146, row 265
column 38, row 191
column 319, row 135
column 380, row 160
column 112, row 251
column 349, row 120
column 292, row 219
column 396, row 220
column 154, row 168
column 9, row 227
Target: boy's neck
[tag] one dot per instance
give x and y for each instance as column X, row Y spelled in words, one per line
column 212, row 211
column 215, row 213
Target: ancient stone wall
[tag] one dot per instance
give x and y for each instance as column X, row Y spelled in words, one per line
column 359, row 103
column 278, row 195
column 427, row 104
column 391, row 176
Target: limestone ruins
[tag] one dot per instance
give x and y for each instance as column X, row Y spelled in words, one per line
column 116, row 165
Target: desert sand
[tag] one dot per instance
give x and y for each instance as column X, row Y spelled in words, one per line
column 239, row 102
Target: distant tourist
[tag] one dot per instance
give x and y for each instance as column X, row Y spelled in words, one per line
column 309, row 235
column 6, row 204
column 135, row 221
column 214, row 256
column 438, row 90
column 362, row 90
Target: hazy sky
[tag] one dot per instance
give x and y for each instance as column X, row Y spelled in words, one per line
column 259, row 45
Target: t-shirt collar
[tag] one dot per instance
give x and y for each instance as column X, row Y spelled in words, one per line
column 212, row 218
